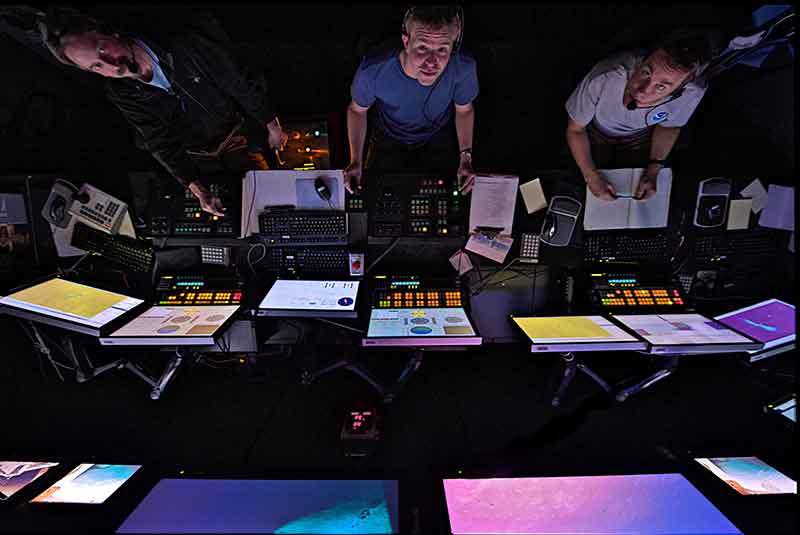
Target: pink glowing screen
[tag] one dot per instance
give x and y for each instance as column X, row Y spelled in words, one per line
column 651, row 503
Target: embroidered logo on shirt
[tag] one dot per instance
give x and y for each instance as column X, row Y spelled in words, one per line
column 658, row 117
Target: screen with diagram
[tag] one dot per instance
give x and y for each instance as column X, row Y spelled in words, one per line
column 749, row 475
column 618, row 504
column 177, row 321
column 680, row 329
column 311, row 295
column 771, row 322
column 570, row 329
column 419, row 323
column 88, row 483
column 71, row 301
column 16, row 475
column 267, row 506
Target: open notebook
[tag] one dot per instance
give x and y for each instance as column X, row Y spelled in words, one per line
column 626, row 213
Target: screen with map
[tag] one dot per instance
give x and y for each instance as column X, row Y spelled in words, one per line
column 88, row 483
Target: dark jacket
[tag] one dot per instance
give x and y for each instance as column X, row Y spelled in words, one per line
column 210, row 93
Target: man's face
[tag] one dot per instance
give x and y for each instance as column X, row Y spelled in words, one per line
column 428, row 50
column 100, row 53
column 654, row 79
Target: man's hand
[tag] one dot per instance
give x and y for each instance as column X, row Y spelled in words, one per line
column 648, row 183
column 352, row 177
column 600, row 186
column 466, row 176
column 276, row 137
column 208, row 201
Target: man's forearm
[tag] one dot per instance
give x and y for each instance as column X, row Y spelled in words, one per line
column 356, row 133
column 662, row 141
column 465, row 126
column 581, row 150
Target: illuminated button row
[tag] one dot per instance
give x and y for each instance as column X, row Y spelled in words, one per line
column 419, row 299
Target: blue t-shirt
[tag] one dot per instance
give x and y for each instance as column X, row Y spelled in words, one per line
column 407, row 110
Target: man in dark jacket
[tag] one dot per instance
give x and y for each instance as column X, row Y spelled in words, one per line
column 193, row 107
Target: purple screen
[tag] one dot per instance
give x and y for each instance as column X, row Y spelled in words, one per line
column 764, row 322
column 652, row 503
column 266, row 506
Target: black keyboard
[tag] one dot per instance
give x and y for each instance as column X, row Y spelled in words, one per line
column 133, row 254
column 755, row 246
column 303, row 261
column 649, row 247
column 303, row 227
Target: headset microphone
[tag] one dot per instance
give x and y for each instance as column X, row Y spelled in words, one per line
column 631, row 105
column 131, row 64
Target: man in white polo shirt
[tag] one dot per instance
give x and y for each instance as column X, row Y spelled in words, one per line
column 631, row 107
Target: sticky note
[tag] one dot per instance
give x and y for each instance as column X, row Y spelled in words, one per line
column 739, row 214
column 779, row 211
column 461, row 262
column 533, row 195
column 755, row 190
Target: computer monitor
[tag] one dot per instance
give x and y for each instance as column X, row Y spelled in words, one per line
column 771, row 322
column 311, row 299
column 420, row 327
column 576, row 333
column 88, row 484
column 71, row 305
column 597, row 505
column 749, row 475
column 684, row 334
column 267, row 506
column 174, row 325
column 16, row 475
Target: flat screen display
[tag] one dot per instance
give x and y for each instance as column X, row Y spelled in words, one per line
column 771, row 322
column 16, row 475
column 419, row 323
column 177, row 321
column 681, row 329
column 749, row 475
column 311, row 295
column 72, row 301
column 267, row 506
column 572, row 333
column 88, row 483
column 597, row 505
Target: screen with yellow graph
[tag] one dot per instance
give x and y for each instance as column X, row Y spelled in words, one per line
column 566, row 329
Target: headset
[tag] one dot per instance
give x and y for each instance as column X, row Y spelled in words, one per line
column 459, row 15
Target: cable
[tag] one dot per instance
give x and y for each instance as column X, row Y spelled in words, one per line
column 252, row 202
column 250, row 262
column 360, row 331
column 384, row 253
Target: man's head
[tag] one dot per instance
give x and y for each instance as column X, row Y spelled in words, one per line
column 672, row 63
column 429, row 35
column 80, row 41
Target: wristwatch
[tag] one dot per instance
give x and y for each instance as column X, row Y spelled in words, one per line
column 468, row 150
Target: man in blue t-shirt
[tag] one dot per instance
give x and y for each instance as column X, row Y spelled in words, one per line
column 415, row 90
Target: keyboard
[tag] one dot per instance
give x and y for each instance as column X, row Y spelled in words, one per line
column 529, row 248
column 303, row 227
column 303, row 261
column 650, row 247
column 754, row 246
column 133, row 254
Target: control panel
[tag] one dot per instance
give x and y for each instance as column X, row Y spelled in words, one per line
column 198, row 289
column 627, row 291
column 411, row 291
column 178, row 213
column 100, row 209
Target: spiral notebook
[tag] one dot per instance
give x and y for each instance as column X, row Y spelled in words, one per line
column 626, row 212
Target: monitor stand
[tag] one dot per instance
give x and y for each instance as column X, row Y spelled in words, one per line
column 572, row 364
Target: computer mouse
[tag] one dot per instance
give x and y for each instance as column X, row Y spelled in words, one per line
column 549, row 227
column 322, row 189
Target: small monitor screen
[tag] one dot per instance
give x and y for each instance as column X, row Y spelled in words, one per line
column 16, row 475
column 267, row 506
column 177, row 321
column 571, row 333
column 749, row 475
column 71, row 301
column 607, row 505
column 312, row 296
column 771, row 322
column 419, row 323
column 681, row 329
column 88, row 483
column 787, row 409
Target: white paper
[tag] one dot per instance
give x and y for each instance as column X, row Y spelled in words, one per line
column 492, row 248
column 755, row 190
column 739, row 214
column 623, row 213
column 779, row 211
column 276, row 188
column 533, row 195
column 461, row 262
column 493, row 200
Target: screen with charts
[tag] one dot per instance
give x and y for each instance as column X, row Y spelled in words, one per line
column 771, row 322
column 749, row 475
column 72, row 301
column 179, row 324
column 608, row 505
column 88, row 483
column 16, row 475
column 576, row 333
column 420, row 326
column 267, row 506
column 686, row 333
column 311, row 298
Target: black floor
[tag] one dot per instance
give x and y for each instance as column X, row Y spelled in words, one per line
column 480, row 413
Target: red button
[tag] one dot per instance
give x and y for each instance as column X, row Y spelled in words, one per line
column 356, row 264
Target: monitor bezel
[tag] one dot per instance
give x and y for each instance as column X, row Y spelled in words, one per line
column 638, row 344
